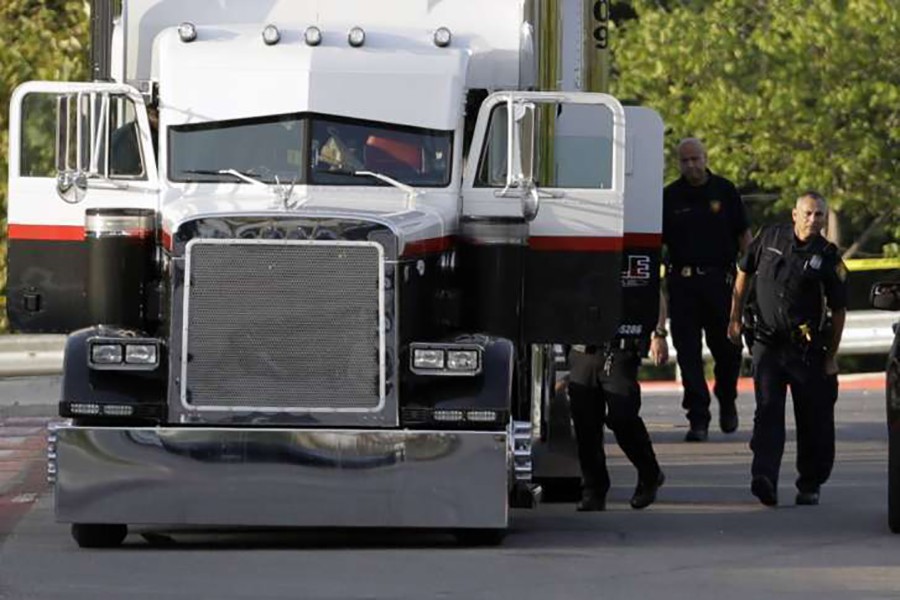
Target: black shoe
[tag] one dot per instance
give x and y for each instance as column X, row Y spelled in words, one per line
column 696, row 434
column 764, row 489
column 807, row 498
column 591, row 502
column 728, row 420
column 645, row 494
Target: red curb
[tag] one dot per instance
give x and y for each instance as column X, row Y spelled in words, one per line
column 853, row 381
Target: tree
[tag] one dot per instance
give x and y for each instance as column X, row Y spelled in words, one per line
column 43, row 39
column 790, row 95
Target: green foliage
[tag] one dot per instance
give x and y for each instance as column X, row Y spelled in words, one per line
column 42, row 39
column 788, row 94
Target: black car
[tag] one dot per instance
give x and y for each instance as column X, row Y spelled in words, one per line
column 887, row 296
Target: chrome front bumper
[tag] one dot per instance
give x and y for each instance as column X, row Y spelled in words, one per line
column 291, row 478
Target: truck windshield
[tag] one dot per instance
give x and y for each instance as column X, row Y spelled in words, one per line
column 309, row 149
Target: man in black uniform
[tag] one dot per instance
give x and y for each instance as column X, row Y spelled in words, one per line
column 704, row 227
column 797, row 273
column 603, row 389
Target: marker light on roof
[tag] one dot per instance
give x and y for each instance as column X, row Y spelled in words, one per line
column 356, row 37
column 187, row 32
column 271, row 35
column 442, row 37
column 313, row 36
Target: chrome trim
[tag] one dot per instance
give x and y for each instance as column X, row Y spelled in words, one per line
column 52, row 456
column 304, row 410
column 282, row 477
column 540, row 360
column 520, row 441
column 113, row 225
column 495, row 231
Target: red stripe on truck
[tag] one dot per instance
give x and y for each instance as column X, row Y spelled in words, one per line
column 60, row 233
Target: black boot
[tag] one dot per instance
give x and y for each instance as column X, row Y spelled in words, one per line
column 591, row 501
column 645, row 493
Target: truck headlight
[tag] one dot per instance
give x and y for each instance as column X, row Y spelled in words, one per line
column 445, row 359
column 140, row 354
column 424, row 358
column 136, row 354
column 462, row 360
column 106, row 354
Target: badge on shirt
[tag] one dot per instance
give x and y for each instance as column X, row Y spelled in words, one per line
column 715, row 205
column 841, row 270
column 815, row 262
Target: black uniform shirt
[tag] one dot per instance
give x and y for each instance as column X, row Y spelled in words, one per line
column 702, row 224
column 792, row 278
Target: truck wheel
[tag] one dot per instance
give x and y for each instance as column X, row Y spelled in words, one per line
column 480, row 537
column 894, row 481
column 98, row 536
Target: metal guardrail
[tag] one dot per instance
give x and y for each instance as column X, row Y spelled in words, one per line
column 866, row 332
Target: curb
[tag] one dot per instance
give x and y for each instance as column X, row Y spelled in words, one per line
column 849, row 381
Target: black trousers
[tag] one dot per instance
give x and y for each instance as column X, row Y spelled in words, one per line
column 603, row 390
column 814, row 394
column 701, row 304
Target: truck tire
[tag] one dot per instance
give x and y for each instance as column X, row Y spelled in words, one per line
column 894, row 481
column 98, row 536
column 480, row 537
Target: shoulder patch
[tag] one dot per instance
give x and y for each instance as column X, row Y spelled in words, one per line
column 840, row 269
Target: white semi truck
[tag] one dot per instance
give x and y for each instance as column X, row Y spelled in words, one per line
column 313, row 257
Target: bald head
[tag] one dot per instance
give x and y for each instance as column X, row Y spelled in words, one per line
column 809, row 215
column 692, row 160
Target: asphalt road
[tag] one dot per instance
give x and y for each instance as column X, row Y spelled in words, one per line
column 706, row 537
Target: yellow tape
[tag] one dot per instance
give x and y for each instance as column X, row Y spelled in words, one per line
column 871, row 264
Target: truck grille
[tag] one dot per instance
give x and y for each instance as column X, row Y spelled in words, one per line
column 283, row 326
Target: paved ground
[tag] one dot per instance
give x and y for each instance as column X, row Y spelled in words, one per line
column 705, row 538
column 23, row 460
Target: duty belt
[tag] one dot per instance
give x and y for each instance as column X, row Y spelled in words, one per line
column 694, row 270
column 619, row 344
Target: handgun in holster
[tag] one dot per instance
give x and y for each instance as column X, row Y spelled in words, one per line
column 749, row 327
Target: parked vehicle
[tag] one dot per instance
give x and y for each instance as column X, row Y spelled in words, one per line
column 886, row 296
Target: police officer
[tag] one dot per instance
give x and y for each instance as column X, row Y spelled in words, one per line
column 704, row 226
column 799, row 277
column 603, row 390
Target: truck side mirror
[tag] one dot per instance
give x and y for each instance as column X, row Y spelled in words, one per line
column 62, row 133
column 71, row 181
column 886, row 295
column 93, row 131
column 71, row 186
column 520, row 154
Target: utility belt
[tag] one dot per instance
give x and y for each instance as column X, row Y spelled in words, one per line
column 618, row 344
column 802, row 337
column 686, row 271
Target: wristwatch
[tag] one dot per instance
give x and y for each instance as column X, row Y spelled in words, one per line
column 660, row 332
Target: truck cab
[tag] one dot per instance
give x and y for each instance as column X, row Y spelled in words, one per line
column 320, row 262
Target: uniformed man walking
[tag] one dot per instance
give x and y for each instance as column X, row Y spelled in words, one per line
column 604, row 390
column 704, row 226
column 799, row 278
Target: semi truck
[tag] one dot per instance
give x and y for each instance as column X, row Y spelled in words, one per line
column 315, row 259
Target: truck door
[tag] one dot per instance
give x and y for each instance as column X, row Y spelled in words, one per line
column 557, row 161
column 72, row 147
